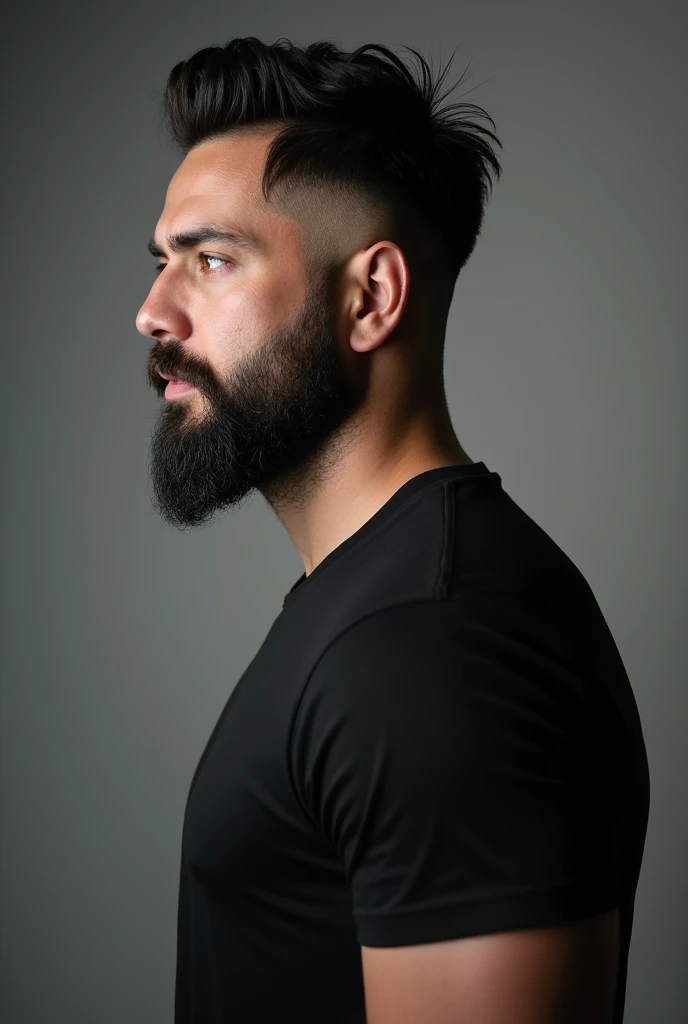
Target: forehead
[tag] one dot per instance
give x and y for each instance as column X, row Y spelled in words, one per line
column 220, row 182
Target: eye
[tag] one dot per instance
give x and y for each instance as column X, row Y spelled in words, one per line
column 201, row 256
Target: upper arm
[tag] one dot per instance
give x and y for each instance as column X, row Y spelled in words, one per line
column 562, row 974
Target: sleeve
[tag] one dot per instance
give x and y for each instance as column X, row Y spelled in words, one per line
column 450, row 767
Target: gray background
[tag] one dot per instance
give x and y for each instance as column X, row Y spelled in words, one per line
column 566, row 372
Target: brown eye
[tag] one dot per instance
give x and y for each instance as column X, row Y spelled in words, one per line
column 204, row 256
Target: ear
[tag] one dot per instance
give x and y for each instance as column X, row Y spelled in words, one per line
column 379, row 290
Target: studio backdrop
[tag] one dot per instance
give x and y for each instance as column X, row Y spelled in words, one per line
column 565, row 370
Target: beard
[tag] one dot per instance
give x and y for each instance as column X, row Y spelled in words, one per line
column 278, row 424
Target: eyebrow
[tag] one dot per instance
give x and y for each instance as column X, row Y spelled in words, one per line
column 200, row 235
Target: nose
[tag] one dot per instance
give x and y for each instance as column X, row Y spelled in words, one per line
column 144, row 317
column 144, row 322
column 161, row 318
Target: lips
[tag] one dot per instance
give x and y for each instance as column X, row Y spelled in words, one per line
column 175, row 380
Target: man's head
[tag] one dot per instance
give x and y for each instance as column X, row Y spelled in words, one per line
column 342, row 184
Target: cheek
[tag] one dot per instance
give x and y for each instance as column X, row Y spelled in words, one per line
column 268, row 306
column 283, row 297
column 234, row 327
column 250, row 312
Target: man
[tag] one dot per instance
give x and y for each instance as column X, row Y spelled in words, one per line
column 426, row 798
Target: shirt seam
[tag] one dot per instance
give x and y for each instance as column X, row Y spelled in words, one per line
column 447, row 552
column 391, row 517
column 295, row 717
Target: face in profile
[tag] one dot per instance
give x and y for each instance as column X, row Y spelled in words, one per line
column 255, row 337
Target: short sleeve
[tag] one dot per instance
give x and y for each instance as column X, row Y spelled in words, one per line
column 451, row 767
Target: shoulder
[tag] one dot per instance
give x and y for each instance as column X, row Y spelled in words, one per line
column 442, row 656
column 425, row 696
column 441, row 759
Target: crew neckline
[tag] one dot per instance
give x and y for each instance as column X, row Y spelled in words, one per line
column 403, row 494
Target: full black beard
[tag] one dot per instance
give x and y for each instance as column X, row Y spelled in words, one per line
column 276, row 426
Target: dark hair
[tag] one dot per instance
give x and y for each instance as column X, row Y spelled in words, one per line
column 357, row 120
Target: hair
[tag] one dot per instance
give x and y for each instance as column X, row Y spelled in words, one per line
column 357, row 125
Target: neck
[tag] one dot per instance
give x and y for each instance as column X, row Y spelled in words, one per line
column 332, row 499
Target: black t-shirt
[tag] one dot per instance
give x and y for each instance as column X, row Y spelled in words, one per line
column 436, row 739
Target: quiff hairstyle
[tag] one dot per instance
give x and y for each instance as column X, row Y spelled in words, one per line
column 359, row 144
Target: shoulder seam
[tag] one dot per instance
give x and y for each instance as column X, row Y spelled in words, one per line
column 447, row 553
column 385, row 522
column 299, row 702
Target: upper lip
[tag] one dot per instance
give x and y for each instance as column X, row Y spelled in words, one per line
column 169, row 376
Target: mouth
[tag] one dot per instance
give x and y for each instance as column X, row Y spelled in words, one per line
column 176, row 386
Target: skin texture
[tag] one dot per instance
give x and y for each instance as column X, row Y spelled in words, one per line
column 324, row 392
column 319, row 384
column 557, row 975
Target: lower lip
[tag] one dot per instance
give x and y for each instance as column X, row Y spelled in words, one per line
column 175, row 388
